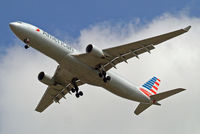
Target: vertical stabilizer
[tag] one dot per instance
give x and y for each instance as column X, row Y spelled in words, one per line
column 150, row 87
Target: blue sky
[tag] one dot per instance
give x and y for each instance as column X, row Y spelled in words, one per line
column 71, row 16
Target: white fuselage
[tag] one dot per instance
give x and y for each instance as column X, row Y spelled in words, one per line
column 63, row 54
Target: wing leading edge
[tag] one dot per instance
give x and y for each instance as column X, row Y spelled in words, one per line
column 124, row 52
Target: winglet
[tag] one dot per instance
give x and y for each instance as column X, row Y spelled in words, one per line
column 187, row 28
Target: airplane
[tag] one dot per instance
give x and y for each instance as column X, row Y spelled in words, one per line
column 92, row 67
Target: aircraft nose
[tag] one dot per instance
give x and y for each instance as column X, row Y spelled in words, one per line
column 13, row 25
column 17, row 28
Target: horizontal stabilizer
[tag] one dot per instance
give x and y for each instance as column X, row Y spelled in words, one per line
column 163, row 95
column 141, row 107
column 155, row 98
column 187, row 28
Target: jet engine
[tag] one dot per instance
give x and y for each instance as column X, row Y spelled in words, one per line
column 42, row 77
column 95, row 51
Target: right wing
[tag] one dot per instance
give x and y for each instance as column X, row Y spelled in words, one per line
column 54, row 93
column 124, row 52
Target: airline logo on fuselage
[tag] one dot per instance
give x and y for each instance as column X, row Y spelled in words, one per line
column 58, row 41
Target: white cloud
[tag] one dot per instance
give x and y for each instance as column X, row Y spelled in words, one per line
column 176, row 62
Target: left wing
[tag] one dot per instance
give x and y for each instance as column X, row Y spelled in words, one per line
column 122, row 53
column 54, row 93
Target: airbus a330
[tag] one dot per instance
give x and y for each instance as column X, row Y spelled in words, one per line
column 92, row 67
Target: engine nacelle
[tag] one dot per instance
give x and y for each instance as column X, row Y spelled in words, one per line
column 95, row 51
column 45, row 79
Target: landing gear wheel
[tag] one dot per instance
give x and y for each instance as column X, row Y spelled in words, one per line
column 100, row 75
column 108, row 78
column 105, row 80
column 103, row 73
column 73, row 90
column 26, row 46
column 76, row 89
column 77, row 95
column 80, row 93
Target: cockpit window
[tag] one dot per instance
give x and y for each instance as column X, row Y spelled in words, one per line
column 19, row 22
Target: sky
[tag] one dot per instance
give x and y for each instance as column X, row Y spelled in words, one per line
column 71, row 16
column 105, row 24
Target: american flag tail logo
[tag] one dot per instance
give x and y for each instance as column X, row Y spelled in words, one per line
column 150, row 87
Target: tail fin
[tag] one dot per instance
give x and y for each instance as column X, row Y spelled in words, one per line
column 150, row 87
column 155, row 98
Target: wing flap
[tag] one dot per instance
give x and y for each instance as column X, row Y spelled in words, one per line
column 124, row 57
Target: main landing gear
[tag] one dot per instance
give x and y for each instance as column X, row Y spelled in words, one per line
column 102, row 73
column 76, row 89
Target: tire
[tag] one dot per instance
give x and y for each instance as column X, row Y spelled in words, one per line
column 104, row 73
column 73, row 90
column 108, row 78
column 26, row 46
column 81, row 93
column 100, row 75
column 105, row 80
column 77, row 95
column 76, row 89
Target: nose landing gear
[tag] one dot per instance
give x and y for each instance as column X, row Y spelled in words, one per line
column 26, row 46
column 26, row 40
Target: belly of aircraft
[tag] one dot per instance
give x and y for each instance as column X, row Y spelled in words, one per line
column 116, row 85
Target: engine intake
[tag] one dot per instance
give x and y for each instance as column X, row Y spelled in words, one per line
column 95, row 51
column 42, row 77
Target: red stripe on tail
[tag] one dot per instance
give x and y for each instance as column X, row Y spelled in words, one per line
column 156, row 88
column 145, row 92
column 157, row 83
column 153, row 91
